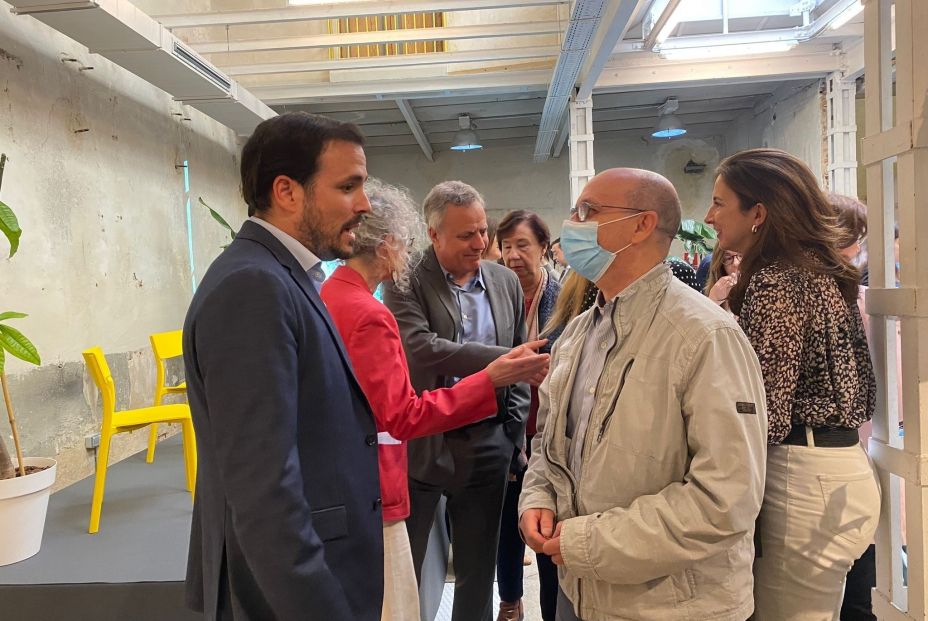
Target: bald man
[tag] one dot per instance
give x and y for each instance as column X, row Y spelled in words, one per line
column 647, row 473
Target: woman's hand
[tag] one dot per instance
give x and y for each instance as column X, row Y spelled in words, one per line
column 719, row 291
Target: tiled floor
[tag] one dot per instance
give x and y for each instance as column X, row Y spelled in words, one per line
column 529, row 599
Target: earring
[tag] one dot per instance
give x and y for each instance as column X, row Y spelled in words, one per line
column 754, row 229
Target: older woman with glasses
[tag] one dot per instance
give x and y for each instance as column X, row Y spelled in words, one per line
column 524, row 241
column 382, row 252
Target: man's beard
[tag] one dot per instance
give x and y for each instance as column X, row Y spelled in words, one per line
column 322, row 237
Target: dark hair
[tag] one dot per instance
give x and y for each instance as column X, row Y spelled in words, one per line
column 852, row 218
column 534, row 221
column 801, row 227
column 290, row 145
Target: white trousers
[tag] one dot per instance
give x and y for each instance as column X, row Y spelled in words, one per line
column 400, row 592
column 820, row 512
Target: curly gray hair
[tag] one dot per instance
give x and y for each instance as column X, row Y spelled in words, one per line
column 394, row 221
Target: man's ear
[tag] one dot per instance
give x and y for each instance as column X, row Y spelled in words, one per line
column 433, row 235
column 647, row 223
column 287, row 195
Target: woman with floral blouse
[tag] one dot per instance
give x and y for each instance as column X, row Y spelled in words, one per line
column 796, row 299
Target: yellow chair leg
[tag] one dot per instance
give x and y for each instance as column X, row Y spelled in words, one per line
column 190, row 455
column 96, row 507
column 152, row 441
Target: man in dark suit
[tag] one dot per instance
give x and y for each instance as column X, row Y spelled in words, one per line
column 287, row 518
column 460, row 314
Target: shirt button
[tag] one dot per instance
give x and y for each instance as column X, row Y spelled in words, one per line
column 604, row 345
column 377, row 504
column 592, row 390
column 371, row 440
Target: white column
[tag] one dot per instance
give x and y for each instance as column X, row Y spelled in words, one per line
column 842, row 134
column 581, row 146
column 895, row 152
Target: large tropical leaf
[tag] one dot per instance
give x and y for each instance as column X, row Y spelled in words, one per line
column 218, row 218
column 12, row 315
column 9, row 226
column 17, row 344
column 696, row 236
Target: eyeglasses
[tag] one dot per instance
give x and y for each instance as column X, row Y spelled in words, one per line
column 582, row 210
column 728, row 259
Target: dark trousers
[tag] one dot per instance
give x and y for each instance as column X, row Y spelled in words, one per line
column 509, row 568
column 474, row 502
column 857, row 605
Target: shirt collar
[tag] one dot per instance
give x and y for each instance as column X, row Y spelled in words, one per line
column 301, row 253
column 478, row 279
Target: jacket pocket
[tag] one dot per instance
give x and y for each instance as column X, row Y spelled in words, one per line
column 852, row 505
column 331, row 523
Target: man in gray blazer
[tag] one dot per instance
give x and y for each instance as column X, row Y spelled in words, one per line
column 459, row 314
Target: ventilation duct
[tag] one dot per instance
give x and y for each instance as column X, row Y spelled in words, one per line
column 120, row 32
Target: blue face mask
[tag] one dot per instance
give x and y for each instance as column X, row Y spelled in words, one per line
column 580, row 244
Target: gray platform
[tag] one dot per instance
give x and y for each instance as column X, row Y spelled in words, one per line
column 133, row 569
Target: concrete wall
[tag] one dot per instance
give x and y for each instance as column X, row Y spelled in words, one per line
column 509, row 179
column 794, row 123
column 93, row 176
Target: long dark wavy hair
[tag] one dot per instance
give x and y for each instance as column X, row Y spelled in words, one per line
column 801, row 227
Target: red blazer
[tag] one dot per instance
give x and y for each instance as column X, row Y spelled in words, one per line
column 373, row 342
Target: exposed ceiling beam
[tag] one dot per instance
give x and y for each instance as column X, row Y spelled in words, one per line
column 449, row 33
column 413, row 123
column 632, row 74
column 333, row 10
column 502, row 82
column 662, row 20
column 403, row 60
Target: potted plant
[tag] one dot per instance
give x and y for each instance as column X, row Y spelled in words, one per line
column 26, row 485
column 695, row 236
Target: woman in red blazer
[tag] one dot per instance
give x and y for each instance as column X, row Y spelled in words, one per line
column 372, row 339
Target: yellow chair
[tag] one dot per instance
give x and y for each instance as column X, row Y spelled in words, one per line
column 129, row 420
column 165, row 345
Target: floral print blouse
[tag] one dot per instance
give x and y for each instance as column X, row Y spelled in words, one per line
column 812, row 350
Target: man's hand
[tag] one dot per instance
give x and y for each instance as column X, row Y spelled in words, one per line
column 537, row 526
column 521, row 364
column 552, row 546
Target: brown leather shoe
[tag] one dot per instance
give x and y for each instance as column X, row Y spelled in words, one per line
column 510, row 611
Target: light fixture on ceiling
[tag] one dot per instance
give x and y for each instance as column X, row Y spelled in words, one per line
column 669, row 124
column 465, row 139
column 722, row 51
column 847, row 14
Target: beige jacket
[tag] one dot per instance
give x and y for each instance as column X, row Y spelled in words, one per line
column 660, row 523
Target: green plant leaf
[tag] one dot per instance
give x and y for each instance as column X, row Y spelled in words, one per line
column 9, row 226
column 2, row 359
column 217, row 217
column 17, row 344
column 12, row 315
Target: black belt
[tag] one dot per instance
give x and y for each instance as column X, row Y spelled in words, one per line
column 824, row 437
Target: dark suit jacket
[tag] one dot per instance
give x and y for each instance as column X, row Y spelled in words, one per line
column 287, row 519
column 430, row 324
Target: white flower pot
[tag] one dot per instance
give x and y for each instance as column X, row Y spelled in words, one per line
column 23, row 503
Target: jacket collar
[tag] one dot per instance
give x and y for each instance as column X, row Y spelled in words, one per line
column 639, row 300
column 350, row 277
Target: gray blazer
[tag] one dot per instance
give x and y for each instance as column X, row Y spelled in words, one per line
column 430, row 325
